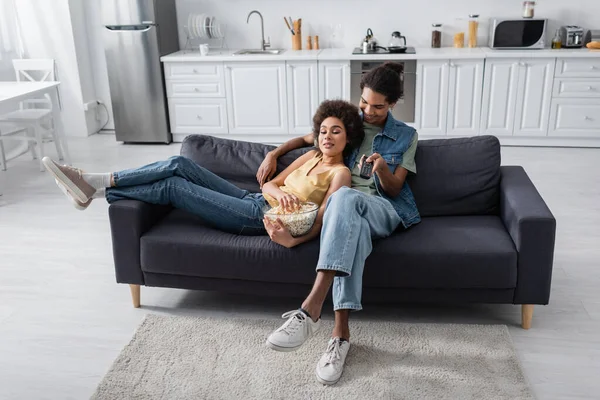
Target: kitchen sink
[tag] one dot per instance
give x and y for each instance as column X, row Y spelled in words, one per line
column 258, row 51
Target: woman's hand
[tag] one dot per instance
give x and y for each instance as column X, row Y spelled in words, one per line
column 279, row 233
column 378, row 162
column 288, row 202
column 267, row 169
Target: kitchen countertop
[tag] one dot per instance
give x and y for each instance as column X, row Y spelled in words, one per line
column 215, row 55
column 422, row 53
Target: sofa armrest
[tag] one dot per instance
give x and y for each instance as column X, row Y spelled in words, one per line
column 129, row 220
column 532, row 228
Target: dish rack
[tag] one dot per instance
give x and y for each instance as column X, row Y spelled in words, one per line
column 203, row 28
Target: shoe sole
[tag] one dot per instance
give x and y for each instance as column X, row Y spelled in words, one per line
column 73, row 201
column 325, row 382
column 62, row 178
column 282, row 349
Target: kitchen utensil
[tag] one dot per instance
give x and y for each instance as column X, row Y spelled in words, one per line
column 473, row 27
column 297, row 37
column 206, row 27
column 392, row 49
column 316, row 43
column 528, row 9
column 370, row 40
column 572, row 36
column 557, row 41
column 436, row 36
column 298, row 223
column 309, row 43
column 593, row 35
column 203, row 49
column 212, row 26
column 288, row 25
column 397, row 43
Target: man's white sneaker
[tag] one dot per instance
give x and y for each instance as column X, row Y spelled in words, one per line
column 294, row 332
column 331, row 364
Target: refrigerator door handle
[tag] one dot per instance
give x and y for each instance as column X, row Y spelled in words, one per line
column 121, row 28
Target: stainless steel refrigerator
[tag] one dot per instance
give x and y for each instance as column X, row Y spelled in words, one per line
column 136, row 34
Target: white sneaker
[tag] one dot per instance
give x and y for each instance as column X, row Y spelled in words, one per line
column 331, row 364
column 294, row 332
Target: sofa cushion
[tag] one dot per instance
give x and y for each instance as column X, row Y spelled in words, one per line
column 440, row 252
column 459, row 176
column 233, row 160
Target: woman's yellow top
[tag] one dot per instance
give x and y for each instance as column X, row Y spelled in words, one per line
column 305, row 187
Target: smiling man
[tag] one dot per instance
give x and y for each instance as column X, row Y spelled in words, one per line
column 373, row 208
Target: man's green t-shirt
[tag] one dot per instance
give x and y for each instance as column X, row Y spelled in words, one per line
column 368, row 185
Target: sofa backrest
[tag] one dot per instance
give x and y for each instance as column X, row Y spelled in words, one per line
column 459, row 176
column 454, row 176
column 233, row 160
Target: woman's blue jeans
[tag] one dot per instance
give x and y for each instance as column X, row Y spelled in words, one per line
column 184, row 184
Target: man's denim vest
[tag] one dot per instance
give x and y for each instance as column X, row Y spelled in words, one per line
column 391, row 143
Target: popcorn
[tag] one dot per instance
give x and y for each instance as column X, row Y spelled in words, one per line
column 298, row 222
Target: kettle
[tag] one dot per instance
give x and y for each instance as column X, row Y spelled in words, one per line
column 369, row 43
column 397, row 42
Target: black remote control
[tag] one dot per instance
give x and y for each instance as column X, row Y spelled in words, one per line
column 366, row 170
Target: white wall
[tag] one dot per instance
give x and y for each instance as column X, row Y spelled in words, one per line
column 412, row 18
column 51, row 30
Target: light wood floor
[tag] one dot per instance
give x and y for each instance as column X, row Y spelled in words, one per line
column 63, row 319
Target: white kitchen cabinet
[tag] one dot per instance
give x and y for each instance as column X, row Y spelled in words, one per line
column 432, row 95
column 534, row 94
column 334, row 80
column 500, row 87
column 465, row 86
column 302, row 95
column 516, row 97
column 449, row 97
column 198, row 115
column 575, row 118
column 256, row 97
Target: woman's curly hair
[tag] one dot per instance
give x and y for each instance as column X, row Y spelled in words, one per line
column 350, row 117
column 384, row 79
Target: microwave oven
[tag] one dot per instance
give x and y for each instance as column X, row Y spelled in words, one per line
column 520, row 33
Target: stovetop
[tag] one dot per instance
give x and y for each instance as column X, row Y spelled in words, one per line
column 358, row 50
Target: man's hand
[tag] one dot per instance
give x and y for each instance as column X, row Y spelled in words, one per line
column 378, row 162
column 267, row 169
column 279, row 233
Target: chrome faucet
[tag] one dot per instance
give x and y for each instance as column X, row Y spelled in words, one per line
column 263, row 43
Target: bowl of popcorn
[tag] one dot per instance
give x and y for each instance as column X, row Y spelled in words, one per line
column 299, row 221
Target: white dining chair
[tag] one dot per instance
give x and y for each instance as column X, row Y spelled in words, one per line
column 34, row 116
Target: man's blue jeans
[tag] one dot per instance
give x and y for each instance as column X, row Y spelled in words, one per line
column 184, row 184
column 352, row 219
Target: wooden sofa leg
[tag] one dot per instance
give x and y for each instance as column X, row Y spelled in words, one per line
column 135, row 295
column 526, row 315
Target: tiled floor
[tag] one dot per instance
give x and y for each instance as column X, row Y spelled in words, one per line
column 63, row 319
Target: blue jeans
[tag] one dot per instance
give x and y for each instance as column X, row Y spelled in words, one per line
column 184, row 184
column 352, row 219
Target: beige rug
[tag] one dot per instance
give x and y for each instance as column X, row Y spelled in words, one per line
column 207, row 358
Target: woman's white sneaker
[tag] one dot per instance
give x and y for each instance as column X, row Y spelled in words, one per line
column 331, row 364
column 294, row 332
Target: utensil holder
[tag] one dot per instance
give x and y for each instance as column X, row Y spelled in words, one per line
column 297, row 41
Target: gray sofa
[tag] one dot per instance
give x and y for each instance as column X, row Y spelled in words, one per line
column 486, row 235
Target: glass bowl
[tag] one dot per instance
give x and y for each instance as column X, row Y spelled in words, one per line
column 298, row 222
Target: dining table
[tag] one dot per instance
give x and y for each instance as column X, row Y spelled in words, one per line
column 12, row 93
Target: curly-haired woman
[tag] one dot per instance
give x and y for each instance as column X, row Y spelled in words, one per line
column 186, row 185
